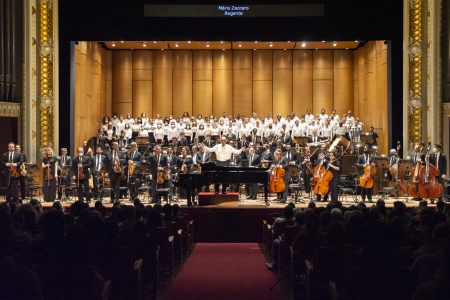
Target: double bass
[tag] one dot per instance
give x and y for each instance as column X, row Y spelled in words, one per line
column 413, row 186
column 319, row 169
column 429, row 187
column 322, row 186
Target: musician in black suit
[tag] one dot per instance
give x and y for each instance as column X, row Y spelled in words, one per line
column 182, row 140
column 439, row 160
column 253, row 160
column 80, row 172
column 12, row 160
column 116, row 161
column 393, row 161
column 266, row 156
column 171, row 160
column 64, row 161
column 307, row 163
column 208, row 142
column 158, row 161
column 133, row 158
column 23, row 193
column 363, row 161
column 100, row 140
column 286, row 138
column 280, row 161
column 99, row 164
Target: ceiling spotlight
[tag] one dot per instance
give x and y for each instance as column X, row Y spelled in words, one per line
column 317, row 48
column 221, row 42
column 188, row 42
column 145, row 45
column 207, row 45
column 176, row 45
column 270, row 45
column 223, row 49
column 284, row 49
column 303, row 45
column 289, row 41
column 346, row 48
column 334, row 44
column 154, row 42
column 323, row 41
column 121, row 42
column 254, row 49
column 162, row 49
column 256, row 42
column 240, row 45
column 356, row 41
column 113, row 44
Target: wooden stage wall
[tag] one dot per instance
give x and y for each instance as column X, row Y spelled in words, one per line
column 231, row 81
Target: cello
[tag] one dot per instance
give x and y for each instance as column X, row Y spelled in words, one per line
column 322, row 186
column 319, row 169
column 276, row 181
column 429, row 187
column 366, row 180
column 413, row 186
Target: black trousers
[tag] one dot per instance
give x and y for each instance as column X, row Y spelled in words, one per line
column 307, row 182
column 97, row 185
column 83, row 186
column 12, row 191
column 23, row 192
column 366, row 193
column 115, row 186
column 49, row 189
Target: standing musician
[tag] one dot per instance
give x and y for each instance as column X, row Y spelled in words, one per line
column 13, row 161
column 22, row 173
column 50, row 175
column 439, row 160
column 184, row 164
column 279, row 161
column 80, row 172
column 253, row 160
column 158, row 162
column 223, row 156
column 363, row 161
column 306, row 163
column 98, row 165
column 266, row 156
column 116, row 160
column 133, row 158
column 64, row 161
column 335, row 167
column 100, row 139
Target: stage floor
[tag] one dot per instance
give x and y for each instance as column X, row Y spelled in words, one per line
column 302, row 202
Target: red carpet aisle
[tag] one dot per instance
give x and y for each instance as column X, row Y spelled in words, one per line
column 224, row 271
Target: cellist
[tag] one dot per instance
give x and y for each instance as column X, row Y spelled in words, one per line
column 280, row 161
column 333, row 165
column 364, row 160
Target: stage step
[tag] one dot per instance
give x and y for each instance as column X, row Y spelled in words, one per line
column 205, row 198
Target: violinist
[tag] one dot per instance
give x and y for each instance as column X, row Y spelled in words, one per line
column 23, row 193
column 364, row 160
column 50, row 175
column 64, row 161
column 158, row 162
column 12, row 160
column 133, row 158
column 266, row 156
column 116, row 161
column 184, row 164
column 80, row 173
column 279, row 161
column 306, row 163
column 98, row 164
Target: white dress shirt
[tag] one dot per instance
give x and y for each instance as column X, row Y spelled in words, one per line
column 223, row 153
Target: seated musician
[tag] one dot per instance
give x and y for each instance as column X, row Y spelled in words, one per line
column 363, row 161
column 223, row 156
column 266, row 156
column 133, row 158
column 253, row 160
column 64, row 164
column 393, row 161
column 98, row 165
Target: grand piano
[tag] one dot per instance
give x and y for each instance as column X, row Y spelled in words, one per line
column 212, row 173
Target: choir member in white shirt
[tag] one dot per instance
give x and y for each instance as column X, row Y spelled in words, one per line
column 144, row 118
column 223, row 153
column 297, row 130
column 313, row 126
column 326, row 131
column 201, row 132
column 309, row 116
column 186, row 119
column 129, row 120
column 188, row 133
column 172, row 131
column 323, row 116
column 120, row 125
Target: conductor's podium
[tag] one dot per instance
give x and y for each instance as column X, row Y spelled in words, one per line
column 206, row 198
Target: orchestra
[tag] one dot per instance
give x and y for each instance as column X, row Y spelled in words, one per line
column 128, row 153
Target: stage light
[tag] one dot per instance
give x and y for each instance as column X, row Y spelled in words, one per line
column 162, row 49
column 176, row 45
column 289, row 41
column 356, row 41
column 223, row 49
column 256, row 42
column 113, row 44
column 240, row 45
column 270, row 45
column 188, row 42
column 303, row 45
column 346, row 48
column 145, row 45
column 284, row 49
column 254, row 49
column 207, row 45
column 221, row 42
column 323, row 41
column 121, row 42
column 154, row 42
column 334, row 44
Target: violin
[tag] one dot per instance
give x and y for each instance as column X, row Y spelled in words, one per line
column 80, row 171
column 14, row 172
column 160, row 176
